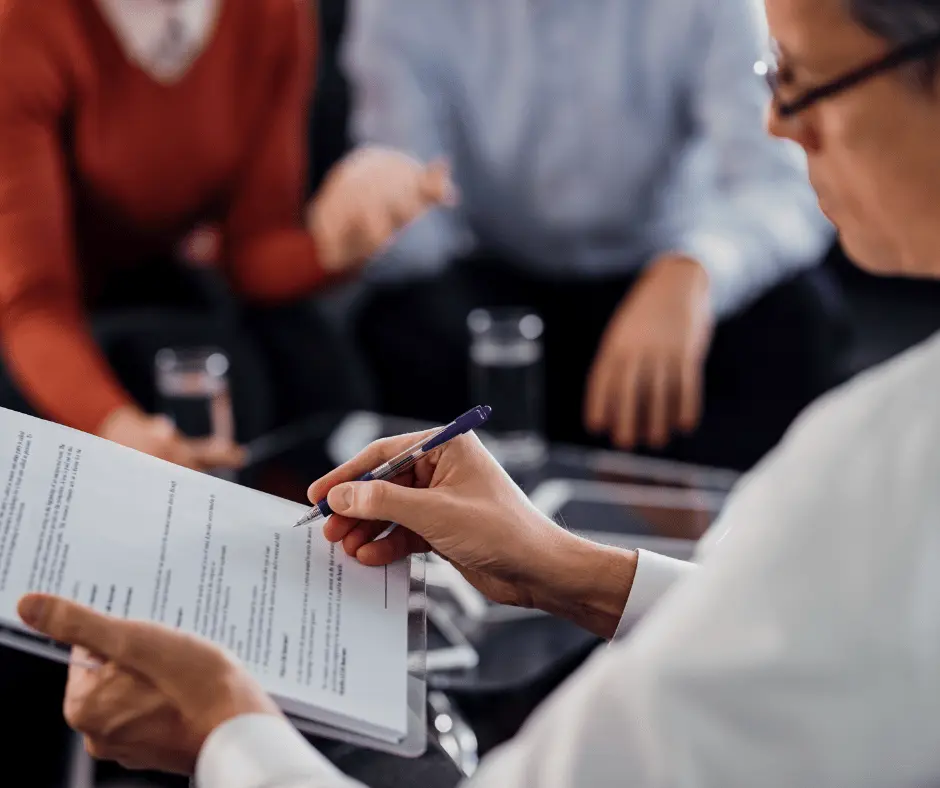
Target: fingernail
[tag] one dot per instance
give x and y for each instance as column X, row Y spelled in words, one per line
column 31, row 609
column 341, row 498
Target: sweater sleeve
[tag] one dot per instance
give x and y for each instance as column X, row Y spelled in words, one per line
column 270, row 254
column 45, row 337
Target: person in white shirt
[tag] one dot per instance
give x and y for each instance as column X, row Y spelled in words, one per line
column 804, row 651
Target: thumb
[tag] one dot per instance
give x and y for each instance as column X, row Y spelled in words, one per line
column 162, row 427
column 380, row 501
column 437, row 185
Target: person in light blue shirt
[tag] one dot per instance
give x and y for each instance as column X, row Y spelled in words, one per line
column 609, row 155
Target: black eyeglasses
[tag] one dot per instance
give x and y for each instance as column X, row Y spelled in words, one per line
column 909, row 53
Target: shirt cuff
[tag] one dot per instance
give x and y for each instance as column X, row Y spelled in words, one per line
column 721, row 258
column 655, row 575
column 263, row 751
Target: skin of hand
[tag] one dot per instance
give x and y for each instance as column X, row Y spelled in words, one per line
column 646, row 383
column 461, row 504
column 157, row 436
column 157, row 694
column 367, row 198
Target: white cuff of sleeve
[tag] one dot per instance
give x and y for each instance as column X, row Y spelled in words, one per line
column 655, row 575
column 721, row 258
column 263, row 751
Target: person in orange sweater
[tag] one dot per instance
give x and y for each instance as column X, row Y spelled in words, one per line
column 126, row 125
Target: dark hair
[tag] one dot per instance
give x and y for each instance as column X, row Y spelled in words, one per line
column 900, row 22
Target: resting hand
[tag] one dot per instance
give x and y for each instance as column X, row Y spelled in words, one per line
column 158, row 693
column 158, row 437
column 647, row 378
column 460, row 503
column 367, row 198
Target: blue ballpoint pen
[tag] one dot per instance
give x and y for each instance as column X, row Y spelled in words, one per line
column 470, row 420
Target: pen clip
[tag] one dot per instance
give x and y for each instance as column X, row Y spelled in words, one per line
column 469, row 421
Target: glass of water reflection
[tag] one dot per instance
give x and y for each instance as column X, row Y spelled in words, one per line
column 506, row 372
column 193, row 390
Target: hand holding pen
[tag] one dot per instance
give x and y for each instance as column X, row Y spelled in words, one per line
column 407, row 459
column 459, row 502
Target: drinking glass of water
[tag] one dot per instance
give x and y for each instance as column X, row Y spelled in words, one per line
column 506, row 372
column 193, row 390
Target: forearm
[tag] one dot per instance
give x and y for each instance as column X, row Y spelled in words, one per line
column 259, row 751
column 752, row 240
column 275, row 266
column 400, row 99
column 54, row 359
column 603, row 589
column 588, row 584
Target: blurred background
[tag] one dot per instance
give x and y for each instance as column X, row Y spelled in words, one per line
column 312, row 228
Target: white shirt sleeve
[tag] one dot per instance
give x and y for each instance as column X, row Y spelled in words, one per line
column 264, row 751
column 803, row 652
column 756, row 220
column 655, row 575
column 390, row 59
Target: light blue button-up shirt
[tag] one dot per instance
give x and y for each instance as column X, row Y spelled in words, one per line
column 587, row 136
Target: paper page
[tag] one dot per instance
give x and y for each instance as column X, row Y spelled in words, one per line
column 140, row 538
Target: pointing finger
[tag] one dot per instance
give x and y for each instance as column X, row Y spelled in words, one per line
column 658, row 410
column 628, row 400
column 149, row 649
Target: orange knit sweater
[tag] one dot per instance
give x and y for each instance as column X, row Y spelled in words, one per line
column 103, row 168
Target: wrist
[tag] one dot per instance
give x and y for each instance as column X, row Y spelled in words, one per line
column 234, row 694
column 676, row 263
column 586, row 583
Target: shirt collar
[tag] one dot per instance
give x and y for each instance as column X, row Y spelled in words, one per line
column 162, row 37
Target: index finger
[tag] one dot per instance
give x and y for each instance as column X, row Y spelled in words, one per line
column 74, row 624
column 144, row 648
column 690, row 409
column 598, row 396
column 367, row 460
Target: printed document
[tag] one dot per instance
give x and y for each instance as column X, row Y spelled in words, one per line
column 140, row 538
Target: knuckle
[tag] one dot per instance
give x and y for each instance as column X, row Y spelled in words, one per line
column 375, row 495
column 469, row 441
column 75, row 714
column 386, row 448
column 62, row 624
column 382, row 446
column 123, row 648
column 130, row 760
column 97, row 748
column 52, row 621
column 164, row 441
column 129, row 649
column 211, row 657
